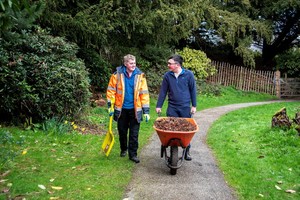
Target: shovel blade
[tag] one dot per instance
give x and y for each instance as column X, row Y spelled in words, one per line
column 108, row 143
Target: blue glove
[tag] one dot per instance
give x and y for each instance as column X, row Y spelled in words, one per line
column 111, row 111
column 146, row 117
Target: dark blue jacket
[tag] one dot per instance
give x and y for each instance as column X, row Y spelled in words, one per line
column 181, row 91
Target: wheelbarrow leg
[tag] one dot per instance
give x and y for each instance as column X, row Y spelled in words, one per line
column 162, row 151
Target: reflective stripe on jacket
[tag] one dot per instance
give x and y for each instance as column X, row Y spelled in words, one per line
column 116, row 89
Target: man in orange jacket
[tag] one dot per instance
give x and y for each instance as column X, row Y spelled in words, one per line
column 128, row 87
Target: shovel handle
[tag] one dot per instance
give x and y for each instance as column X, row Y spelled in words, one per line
column 112, row 102
column 110, row 124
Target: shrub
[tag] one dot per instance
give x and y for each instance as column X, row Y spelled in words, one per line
column 288, row 62
column 197, row 62
column 154, row 77
column 207, row 89
column 99, row 69
column 156, row 54
column 41, row 78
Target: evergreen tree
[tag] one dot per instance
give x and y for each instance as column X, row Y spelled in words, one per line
column 274, row 25
column 112, row 27
column 16, row 15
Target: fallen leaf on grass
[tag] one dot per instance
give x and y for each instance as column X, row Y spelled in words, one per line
column 53, row 198
column 5, row 190
column 261, row 195
column 42, row 187
column 24, row 152
column 5, row 173
column 277, row 187
column 56, row 188
column 290, row 191
column 19, row 197
column 279, row 182
column 261, row 156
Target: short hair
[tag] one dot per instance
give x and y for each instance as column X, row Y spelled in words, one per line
column 177, row 58
column 128, row 57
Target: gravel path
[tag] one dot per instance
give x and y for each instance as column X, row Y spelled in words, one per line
column 196, row 179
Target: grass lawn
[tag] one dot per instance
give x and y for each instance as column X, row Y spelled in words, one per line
column 258, row 161
column 54, row 164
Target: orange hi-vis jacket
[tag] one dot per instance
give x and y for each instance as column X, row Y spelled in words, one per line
column 116, row 89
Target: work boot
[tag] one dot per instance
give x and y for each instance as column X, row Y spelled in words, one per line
column 187, row 155
column 135, row 159
column 123, row 153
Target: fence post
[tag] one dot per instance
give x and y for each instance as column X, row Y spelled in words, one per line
column 277, row 84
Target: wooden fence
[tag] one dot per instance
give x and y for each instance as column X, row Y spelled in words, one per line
column 255, row 80
column 244, row 79
column 289, row 87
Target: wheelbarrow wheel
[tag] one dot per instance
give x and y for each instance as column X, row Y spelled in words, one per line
column 174, row 159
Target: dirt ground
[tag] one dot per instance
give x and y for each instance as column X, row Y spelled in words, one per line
column 196, row 179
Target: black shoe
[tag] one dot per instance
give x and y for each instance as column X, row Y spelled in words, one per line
column 135, row 159
column 187, row 157
column 123, row 153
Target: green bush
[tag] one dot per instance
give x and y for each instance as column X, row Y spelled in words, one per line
column 99, row 69
column 41, row 78
column 156, row 54
column 154, row 77
column 207, row 89
column 197, row 62
column 288, row 62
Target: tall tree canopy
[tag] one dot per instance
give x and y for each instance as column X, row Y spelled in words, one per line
column 109, row 25
column 285, row 18
column 112, row 27
column 274, row 25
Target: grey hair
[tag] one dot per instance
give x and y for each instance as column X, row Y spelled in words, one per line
column 128, row 57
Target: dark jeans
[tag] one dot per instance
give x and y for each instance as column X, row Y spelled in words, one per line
column 127, row 121
column 179, row 112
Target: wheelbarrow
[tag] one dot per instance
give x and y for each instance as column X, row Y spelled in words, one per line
column 174, row 140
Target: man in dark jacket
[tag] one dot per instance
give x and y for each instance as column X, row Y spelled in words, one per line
column 180, row 85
